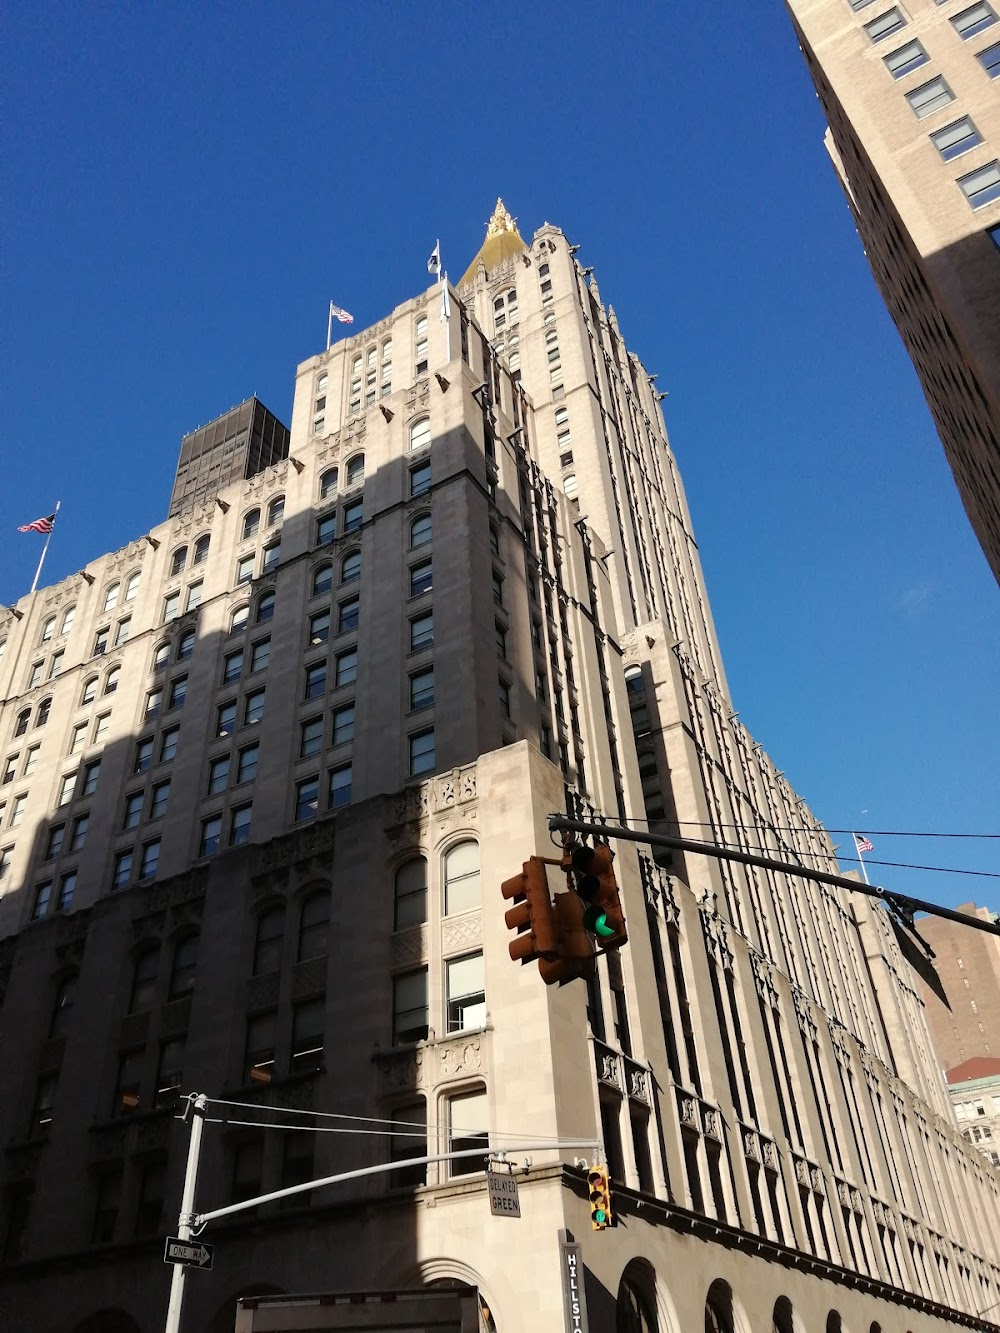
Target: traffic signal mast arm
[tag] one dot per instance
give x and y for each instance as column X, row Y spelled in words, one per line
column 900, row 902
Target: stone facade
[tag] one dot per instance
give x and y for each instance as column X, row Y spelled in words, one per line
column 968, row 964
column 306, row 924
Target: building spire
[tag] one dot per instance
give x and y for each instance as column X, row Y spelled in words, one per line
column 500, row 221
column 503, row 241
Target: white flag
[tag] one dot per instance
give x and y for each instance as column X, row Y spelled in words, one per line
column 434, row 263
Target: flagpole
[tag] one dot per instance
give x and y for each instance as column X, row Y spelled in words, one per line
column 861, row 859
column 48, row 538
column 329, row 327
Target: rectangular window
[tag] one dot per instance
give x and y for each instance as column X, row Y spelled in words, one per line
column 54, row 842
column 78, row 740
column 466, row 997
column 19, row 802
column 421, row 578
column 468, row 1121
column 319, row 628
column 409, row 1139
column 225, row 720
column 421, row 631
column 955, row 139
column 178, row 693
column 348, row 614
column 246, row 769
column 150, row 859
column 122, row 872
column 10, row 768
column 972, row 21
column 66, row 788
column 503, row 694
column 409, row 1007
column 326, row 529
column 211, row 835
column 218, row 775
column 990, row 60
column 929, row 97
column 420, row 479
column 253, row 709
column 354, row 516
column 982, row 187
column 260, row 655
column 421, row 746
column 101, row 727
column 168, row 1072
column 168, row 744
column 30, row 760
column 100, row 648
column 232, row 667
column 501, row 638
column 158, row 804
column 79, row 836
column 498, row 588
column 886, row 25
column 55, row 666
column 259, row 1057
column 244, row 569
column 315, row 680
column 193, row 600
column 239, row 825
column 133, row 809
column 154, row 702
column 43, row 896
column 422, row 690
column 340, row 787
column 311, row 739
column 67, row 888
column 6, row 856
column 272, row 556
column 308, row 1024
column 306, row 798
column 343, row 724
column 347, row 667
column 171, row 606
column 91, row 772
column 905, row 59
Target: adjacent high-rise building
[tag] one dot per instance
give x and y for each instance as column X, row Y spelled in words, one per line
column 239, row 444
column 912, row 101
column 264, row 772
column 968, row 965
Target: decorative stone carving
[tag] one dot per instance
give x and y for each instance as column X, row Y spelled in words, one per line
column 638, row 1082
column 769, row 1154
column 181, row 889
column 711, row 1121
column 460, row 1057
column 687, row 1110
column 844, row 1192
column 400, row 1071
column 309, row 978
column 801, row 1170
column 263, row 991
column 410, row 946
column 803, row 1014
column 816, row 1179
column 751, row 1145
column 608, row 1066
column 459, row 932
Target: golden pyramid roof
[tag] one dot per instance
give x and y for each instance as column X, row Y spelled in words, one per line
column 503, row 240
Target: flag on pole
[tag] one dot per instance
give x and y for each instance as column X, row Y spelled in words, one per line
column 39, row 525
column 342, row 315
column 862, row 843
column 434, row 263
column 445, row 300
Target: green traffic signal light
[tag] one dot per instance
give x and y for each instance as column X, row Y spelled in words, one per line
column 595, row 919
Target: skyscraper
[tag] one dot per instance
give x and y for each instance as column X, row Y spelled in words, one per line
column 239, row 444
column 910, row 96
column 269, row 767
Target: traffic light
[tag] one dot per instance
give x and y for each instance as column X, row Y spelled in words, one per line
column 533, row 916
column 599, row 1191
column 576, row 950
column 593, row 879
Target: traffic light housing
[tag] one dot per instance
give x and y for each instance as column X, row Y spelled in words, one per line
column 593, row 879
column 576, row 951
column 599, row 1193
column 551, row 932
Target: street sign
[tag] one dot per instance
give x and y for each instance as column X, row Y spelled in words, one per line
column 190, row 1253
column 503, row 1195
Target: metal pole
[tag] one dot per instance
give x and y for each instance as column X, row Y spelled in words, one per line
column 196, row 1107
column 557, row 824
column 329, row 327
column 48, row 538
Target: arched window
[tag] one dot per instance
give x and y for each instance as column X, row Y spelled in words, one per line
column 322, row 580
column 634, row 1312
column 350, row 567
column 328, row 483
column 111, row 597
column 834, row 1323
column 420, row 433
column 144, row 974
column 268, row 940
column 201, row 548
column 570, row 486
column 276, row 510
column 634, row 680
column 132, row 586
column 182, row 974
column 783, row 1320
column 62, row 1009
column 178, row 560
column 69, row 616
column 238, row 620
column 251, row 523
column 411, row 894
column 461, row 878
column 265, row 608
column 48, row 629
column 42, row 716
column 185, row 645
column 89, row 691
column 420, row 530
column 719, row 1308
column 161, row 655
column 111, row 680
column 23, row 718
column 355, row 470
column 314, row 925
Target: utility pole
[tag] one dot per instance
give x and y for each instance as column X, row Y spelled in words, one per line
column 195, row 1113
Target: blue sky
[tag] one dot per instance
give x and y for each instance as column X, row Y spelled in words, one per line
column 189, row 185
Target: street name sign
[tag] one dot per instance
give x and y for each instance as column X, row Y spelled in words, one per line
column 504, row 1201
column 191, row 1253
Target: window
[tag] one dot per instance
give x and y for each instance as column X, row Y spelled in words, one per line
column 158, row 804
column 306, row 798
column 461, row 879
column 48, row 629
column 67, row 620
column 253, row 708
column 355, row 470
column 239, row 825
column 171, row 606
column 122, row 869
column 43, row 896
column 133, row 809
column 218, row 775
column 111, row 597
column 420, row 433
column 55, row 665
column 408, row 1139
column 340, row 787
column 570, row 486
column 466, row 996
column 251, row 524
column 54, row 842
column 350, row 569
column 100, row 648
column 30, row 760
column 501, row 637
column 498, row 588
column 6, row 856
column 420, row 530
column 468, row 1118
column 420, row 479
column 319, row 628
column 19, row 802
column 232, row 666
column 66, row 788
column 275, row 510
column 127, row 1089
column 161, row 655
column 225, row 719
column 421, row 578
column 970, row 22
column 244, row 569
column 268, row 941
column 421, row 631
column 886, row 25
column 905, row 59
column 956, row 138
column 409, row 1007
column 322, row 580
column 201, row 549
column 10, row 768
column 150, row 859
column 318, row 424
column 185, row 645
column 328, row 483
column 149, row 1207
column 91, row 772
column 122, row 631
column 259, row 1056
column 260, row 655
column 308, row 1024
column 343, row 724
column 78, row 738
column 421, row 747
column 42, row 716
column 311, row 738
column 982, row 187
column 315, row 680
column 410, row 898
column 239, row 619
column 347, row 667
column 67, row 888
column 154, row 702
column 182, row 974
column 326, row 530
column 990, row 60
column 314, row 926
column 178, row 693
column 503, row 694
column 420, row 345
column 24, row 717
column 63, row 1007
column 272, row 558
column 348, row 613
column 246, row 768
column 168, row 744
column 178, row 560
column 354, row 516
column 144, row 975
column 211, row 835
column 79, row 835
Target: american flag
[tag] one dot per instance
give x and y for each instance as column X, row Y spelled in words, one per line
column 39, row 525
column 862, row 843
column 342, row 315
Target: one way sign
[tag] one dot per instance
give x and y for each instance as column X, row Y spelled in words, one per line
column 191, row 1253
